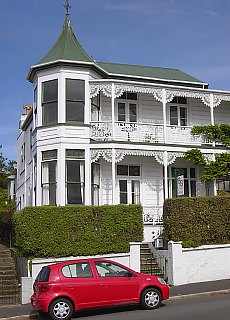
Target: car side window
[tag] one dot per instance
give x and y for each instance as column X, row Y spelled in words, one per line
column 77, row 270
column 108, row 269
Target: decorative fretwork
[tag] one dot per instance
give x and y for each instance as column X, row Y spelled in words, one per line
column 119, row 89
column 105, row 88
column 106, row 154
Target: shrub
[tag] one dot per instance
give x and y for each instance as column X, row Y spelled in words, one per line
column 197, row 220
column 79, row 230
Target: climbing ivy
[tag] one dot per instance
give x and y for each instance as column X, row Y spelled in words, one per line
column 220, row 167
column 215, row 133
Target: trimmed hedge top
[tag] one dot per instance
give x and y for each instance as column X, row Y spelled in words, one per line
column 76, row 231
column 197, row 220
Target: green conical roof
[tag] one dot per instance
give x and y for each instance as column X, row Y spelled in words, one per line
column 67, row 47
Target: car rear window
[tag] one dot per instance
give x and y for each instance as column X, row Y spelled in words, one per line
column 43, row 275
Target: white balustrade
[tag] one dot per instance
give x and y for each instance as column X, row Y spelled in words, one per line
column 145, row 132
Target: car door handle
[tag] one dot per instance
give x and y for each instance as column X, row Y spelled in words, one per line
column 104, row 285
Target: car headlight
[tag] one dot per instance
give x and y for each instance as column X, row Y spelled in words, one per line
column 161, row 280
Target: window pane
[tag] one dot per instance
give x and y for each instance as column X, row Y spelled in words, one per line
column 50, row 154
column 183, row 116
column 77, row 270
column 192, row 173
column 122, row 170
column 132, row 112
column 49, row 182
column 75, row 182
column 108, row 269
column 50, row 91
column 134, row 171
column 74, row 193
column 123, row 191
column 73, row 171
column 95, row 167
column 50, row 113
column 131, row 96
column 173, row 115
column 193, row 188
column 135, row 191
column 75, row 111
column 121, row 112
column 182, row 100
column 75, row 90
column 75, row 154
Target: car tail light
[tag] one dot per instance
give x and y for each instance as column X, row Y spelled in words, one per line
column 45, row 287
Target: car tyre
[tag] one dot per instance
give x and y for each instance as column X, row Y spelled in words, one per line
column 151, row 298
column 61, row 309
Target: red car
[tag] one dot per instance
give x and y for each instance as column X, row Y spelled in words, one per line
column 62, row 288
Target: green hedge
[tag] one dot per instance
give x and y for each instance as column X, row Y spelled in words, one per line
column 197, row 220
column 79, row 230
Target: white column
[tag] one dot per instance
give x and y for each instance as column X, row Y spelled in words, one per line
column 87, row 112
column 164, row 114
column 113, row 111
column 166, row 174
column 39, row 103
column 87, row 177
column 212, row 108
column 113, row 175
column 61, row 187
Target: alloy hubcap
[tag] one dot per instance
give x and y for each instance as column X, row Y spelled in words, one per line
column 61, row 310
column 151, row 298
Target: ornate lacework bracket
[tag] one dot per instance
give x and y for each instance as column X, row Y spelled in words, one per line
column 205, row 97
column 106, row 154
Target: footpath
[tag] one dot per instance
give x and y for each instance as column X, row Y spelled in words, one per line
column 25, row 312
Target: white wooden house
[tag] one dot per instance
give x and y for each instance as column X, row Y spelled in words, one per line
column 107, row 133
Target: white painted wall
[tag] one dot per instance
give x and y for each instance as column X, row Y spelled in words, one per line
column 192, row 265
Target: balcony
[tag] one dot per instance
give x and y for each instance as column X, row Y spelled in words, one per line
column 144, row 133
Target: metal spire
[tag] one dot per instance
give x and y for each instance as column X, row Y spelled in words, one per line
column 67, row 6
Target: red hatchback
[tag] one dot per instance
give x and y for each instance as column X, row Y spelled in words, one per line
column 62, row 288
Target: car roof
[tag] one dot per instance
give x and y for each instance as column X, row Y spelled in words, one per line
column 63, row 263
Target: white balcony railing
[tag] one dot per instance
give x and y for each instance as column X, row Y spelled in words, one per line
column 144, row 132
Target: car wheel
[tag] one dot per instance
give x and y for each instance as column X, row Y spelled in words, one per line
column 61, row 309
column 151, row 298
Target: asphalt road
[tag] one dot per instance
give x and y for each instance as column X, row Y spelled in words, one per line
column 192, row 308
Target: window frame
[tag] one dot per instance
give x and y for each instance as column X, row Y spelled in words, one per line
column 46, row 104
column 189, row 179
column 177, row 103
column 75, row 101
column 48, row 160
column 81, row 161
column 124, row 99
column 130, row 181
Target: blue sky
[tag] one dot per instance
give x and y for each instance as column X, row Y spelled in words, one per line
column 191, row 35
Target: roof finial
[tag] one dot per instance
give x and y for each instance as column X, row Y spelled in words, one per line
column 67, row 6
